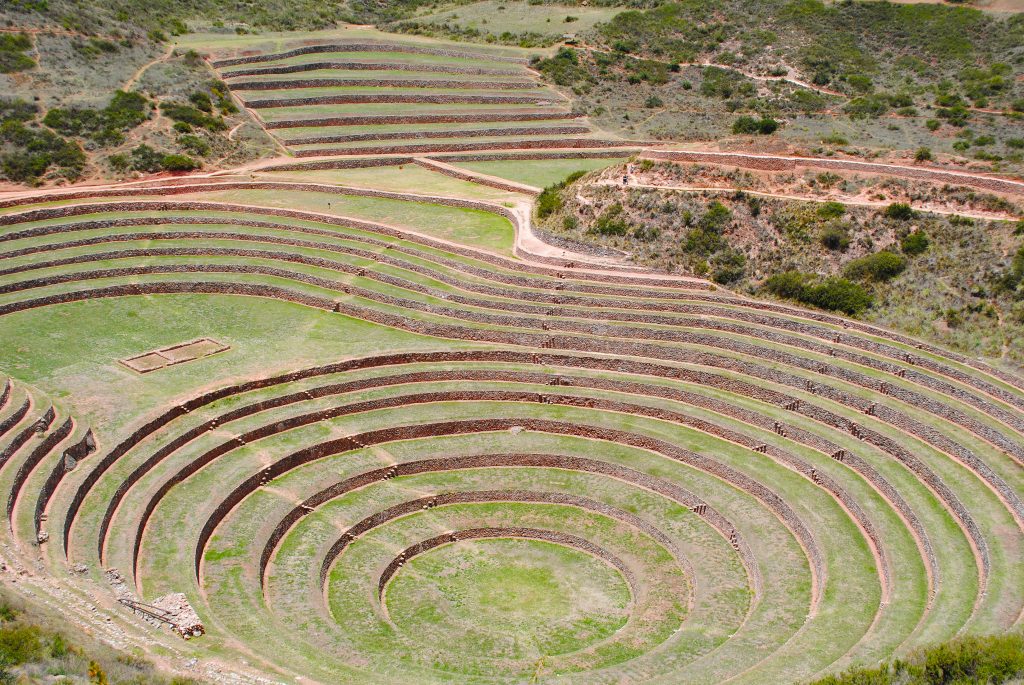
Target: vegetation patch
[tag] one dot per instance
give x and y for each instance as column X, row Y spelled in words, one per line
column 832, row 294
column 993, row 659
column 104, row 126
column 28, row 152
column 36, row 646
column 13, row 47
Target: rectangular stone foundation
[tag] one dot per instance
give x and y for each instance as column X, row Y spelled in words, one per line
column 174, row 354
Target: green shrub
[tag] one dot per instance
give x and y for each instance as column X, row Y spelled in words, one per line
column 706, row 237
column 835, row 238
column 17, row 109
column 201, row 101
column 990, row 660
column 867, row 106
column 833, row 294
column 550, row 199
column 18, row 644
column 58, row 647
column 564, row 68
column 900, row 211
column 838, row 294
column 105, row 126
column 12, row 53
column 881, row 266
column 915, row 243
column 728, row 266
column 789, row 284
column 716, row 217
column 835, row 139
column 831, row 210
column 175, row 162
column 194, row 144
column 35, row 151
column 750, row 125
column 723, row 83
column 192, row 116
column 1010, row 280
column 144, row 158
column 611, row 222
column 955, row 116
column 923, row 154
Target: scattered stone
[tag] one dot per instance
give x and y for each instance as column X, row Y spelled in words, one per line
column 180, row 612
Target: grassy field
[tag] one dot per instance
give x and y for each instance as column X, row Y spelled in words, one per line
column 467, row 226
column 539, row 172
column 397, row 179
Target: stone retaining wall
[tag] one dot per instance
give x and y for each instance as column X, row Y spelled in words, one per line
column 369, row 66
column 68, row 461
column 677, row 493
column 561, row 286
column 401, row 98
column 772, row 501
column 15, row 418
column 455, row 84
column 381, row 119
column 432, row 148
column 41, row 425
column 491, row 181
column 48, row 444
column 416, row 135
column 554, row 154
column 366, row 46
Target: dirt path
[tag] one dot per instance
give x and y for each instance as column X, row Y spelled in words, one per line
column 769, row 163
column 164, row 56
column 847, row 200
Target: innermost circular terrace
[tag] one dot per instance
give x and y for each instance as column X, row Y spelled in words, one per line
column 518, row 596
